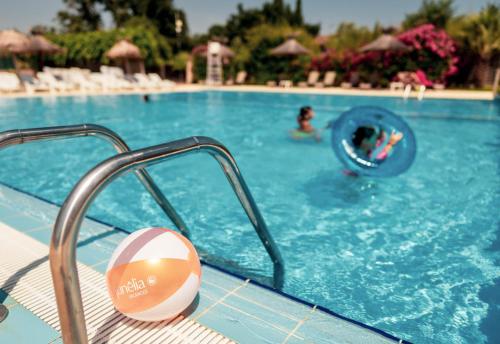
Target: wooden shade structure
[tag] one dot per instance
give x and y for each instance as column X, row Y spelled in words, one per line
column 126, row 52
column 291, row 47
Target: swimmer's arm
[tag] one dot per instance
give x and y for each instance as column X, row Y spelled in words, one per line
column 393, row 140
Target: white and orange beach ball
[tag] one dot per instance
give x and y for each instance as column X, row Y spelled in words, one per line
column 154, row 274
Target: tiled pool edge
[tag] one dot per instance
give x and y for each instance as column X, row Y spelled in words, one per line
column 235, row 275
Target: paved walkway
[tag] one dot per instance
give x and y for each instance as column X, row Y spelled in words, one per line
column 434, row 94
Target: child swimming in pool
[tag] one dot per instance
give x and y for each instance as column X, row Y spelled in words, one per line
column 367, row 141
column 304, row 118
column 305, row 129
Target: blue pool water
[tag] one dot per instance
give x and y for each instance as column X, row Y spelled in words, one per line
column 416, row 255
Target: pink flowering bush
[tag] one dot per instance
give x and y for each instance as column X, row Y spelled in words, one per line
column 325, row 61
column 433, row 51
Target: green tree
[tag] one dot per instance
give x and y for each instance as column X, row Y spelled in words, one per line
column 437, row 12
column 349, row 36
column 481, row 35
column 162, row 13
column 80, row 15
column 275, row 12
column 88, row 49
column 242, row 20
column 261, row 66
column 297, row 17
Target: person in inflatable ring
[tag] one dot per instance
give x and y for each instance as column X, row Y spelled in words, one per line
column 367, row 141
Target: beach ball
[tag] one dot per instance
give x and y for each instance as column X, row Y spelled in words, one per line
column 154, row 274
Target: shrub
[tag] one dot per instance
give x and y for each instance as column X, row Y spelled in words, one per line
column 433, row 51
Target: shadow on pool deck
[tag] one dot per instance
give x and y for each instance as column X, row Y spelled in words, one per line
column 11, row 283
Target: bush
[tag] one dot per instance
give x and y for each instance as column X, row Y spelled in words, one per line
column 255, row 56
column 88, row 49
column 433, row 51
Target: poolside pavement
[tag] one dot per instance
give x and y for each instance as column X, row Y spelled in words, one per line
column 429, row 94
column 230, row 308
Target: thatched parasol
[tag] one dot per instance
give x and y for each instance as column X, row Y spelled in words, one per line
column 13, row 42
column 125, row 51
column 42, row 45
column 289, row 48
column 201, row 50
column 385, row 43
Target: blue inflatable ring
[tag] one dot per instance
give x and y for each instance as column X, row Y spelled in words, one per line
column 381, row 159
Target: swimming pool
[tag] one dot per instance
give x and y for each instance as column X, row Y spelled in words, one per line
column 415, row 255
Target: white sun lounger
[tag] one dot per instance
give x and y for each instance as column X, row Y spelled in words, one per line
column 53, row 83
column 159, row 82
column 9, row 82
column 32, row 84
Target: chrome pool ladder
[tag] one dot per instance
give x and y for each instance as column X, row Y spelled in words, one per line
column 20, row 136
column 64, row 237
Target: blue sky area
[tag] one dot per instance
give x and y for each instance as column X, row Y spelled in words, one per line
column 22, row 14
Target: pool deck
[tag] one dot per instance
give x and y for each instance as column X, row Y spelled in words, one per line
column 229, row 308
column 429, row 94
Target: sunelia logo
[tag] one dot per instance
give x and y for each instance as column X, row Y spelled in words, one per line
column 134, row 288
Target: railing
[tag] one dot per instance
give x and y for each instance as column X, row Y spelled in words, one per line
column 70, row 217
column 20, row 136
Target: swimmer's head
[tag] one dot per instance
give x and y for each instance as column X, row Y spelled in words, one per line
column 361, row 134
column 306, row 112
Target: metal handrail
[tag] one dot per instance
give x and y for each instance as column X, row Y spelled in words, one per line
column 63, row 243
column 20, row 136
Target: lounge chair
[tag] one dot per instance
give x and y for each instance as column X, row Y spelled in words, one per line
column 411, row 80
column 159, row 82
column 114, row 78
column 9, row 82
column 241, row 77
column 81, row 77
column 353, row 81
column 285, row 83
column 328, row 80
column 271, row 83
column 365, row 86
column 143, row 81
column 396, row 85
column 54, row 83
column 312, row 79
column 32, row 84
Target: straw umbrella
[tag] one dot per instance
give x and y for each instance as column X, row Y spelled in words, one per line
column 385, row 43
column 13, row 42
column 126, row 51
column 42, row 46
column 289, row 48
